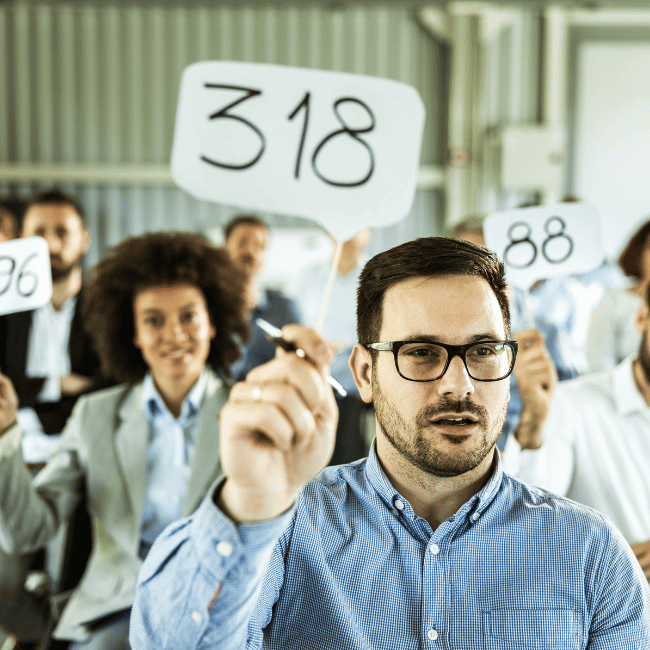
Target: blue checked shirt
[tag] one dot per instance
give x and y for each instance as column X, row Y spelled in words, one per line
column 352, row 567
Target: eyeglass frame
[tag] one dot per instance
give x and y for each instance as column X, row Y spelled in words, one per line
column 452, row 351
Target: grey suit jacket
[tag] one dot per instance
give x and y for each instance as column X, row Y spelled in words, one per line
column 103, row 454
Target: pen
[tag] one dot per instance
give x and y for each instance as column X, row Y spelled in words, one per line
column 275, row 335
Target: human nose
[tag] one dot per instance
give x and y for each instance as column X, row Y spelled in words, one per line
column 456, row 381
column 53, row 243
column 252, row 251
column 174, row 331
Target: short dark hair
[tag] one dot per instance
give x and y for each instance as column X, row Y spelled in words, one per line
column 155, row 259
column 56, row 196
column 242, row 219
column 630, row 259
column 428, row 257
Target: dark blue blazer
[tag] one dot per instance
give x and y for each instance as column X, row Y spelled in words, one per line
column 14, row 339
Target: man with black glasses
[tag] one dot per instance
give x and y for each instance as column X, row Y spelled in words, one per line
column 424, row 544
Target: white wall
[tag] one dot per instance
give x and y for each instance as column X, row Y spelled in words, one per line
column 612, row 136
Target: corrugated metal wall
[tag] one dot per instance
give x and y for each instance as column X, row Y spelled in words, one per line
column 92, row 84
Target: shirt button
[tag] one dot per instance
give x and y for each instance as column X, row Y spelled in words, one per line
column 475, row 516
column 196, row 617
column 399, row 505
column 434, row 548
column 224, row 549
column 432, row 634
column 177, row 462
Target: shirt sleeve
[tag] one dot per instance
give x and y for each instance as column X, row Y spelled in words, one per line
column 200, row 582
column 619, row 596
column 31, row 510
column 10, row 442
column 551, row 466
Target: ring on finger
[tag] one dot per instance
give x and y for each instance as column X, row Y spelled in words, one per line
column 257, row 394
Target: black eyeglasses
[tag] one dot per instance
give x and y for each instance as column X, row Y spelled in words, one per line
column 427, row 361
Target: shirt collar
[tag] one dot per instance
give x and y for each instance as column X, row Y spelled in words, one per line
column 473, row 508
column 263, row 303
column 154, row 406
column 627, row 397
column 66, row 310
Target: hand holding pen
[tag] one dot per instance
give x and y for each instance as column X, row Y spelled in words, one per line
column 278, row 430
column 275, row 336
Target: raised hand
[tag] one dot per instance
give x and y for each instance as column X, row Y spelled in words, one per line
column 536, row 380
column 8, row 404
column 277, row 430
column 73, row 384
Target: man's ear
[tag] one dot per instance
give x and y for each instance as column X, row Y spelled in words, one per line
column 642, row 317
column 360, row 364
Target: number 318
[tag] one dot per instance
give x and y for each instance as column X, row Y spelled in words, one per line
column 303, row 105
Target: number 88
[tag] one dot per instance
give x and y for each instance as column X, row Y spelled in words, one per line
column 551, row 240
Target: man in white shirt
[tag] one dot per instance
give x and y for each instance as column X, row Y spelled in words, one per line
column 51, row 361
column 46, row 352
column 594, row 444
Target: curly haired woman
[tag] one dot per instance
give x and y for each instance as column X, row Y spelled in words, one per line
column 165, row 311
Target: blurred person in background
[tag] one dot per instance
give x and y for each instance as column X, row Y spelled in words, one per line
column 246, row 238
column 340, row 329
column 22, row 614
column 339, row 324
column 612, row 334
column 594, row 284
column 51, row 360
column 593, row 443
column 46, row 352
column 165, row 310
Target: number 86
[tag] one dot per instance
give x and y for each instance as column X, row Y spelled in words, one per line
column 22, row 276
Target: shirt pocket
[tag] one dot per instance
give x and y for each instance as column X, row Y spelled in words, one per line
column 532, row 629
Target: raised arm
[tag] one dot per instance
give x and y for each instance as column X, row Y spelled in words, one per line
column 8, row 404
column 536, row 379
column 541, row 450
column 202, row 579
column 277, row 431
column 32, row 510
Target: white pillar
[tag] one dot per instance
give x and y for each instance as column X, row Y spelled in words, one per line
column 554, row 88
column 462, row 104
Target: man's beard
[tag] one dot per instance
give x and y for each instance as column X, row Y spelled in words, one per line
column 247, row 264
column 63, row 272
column 416, row 444
column 644, row 356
